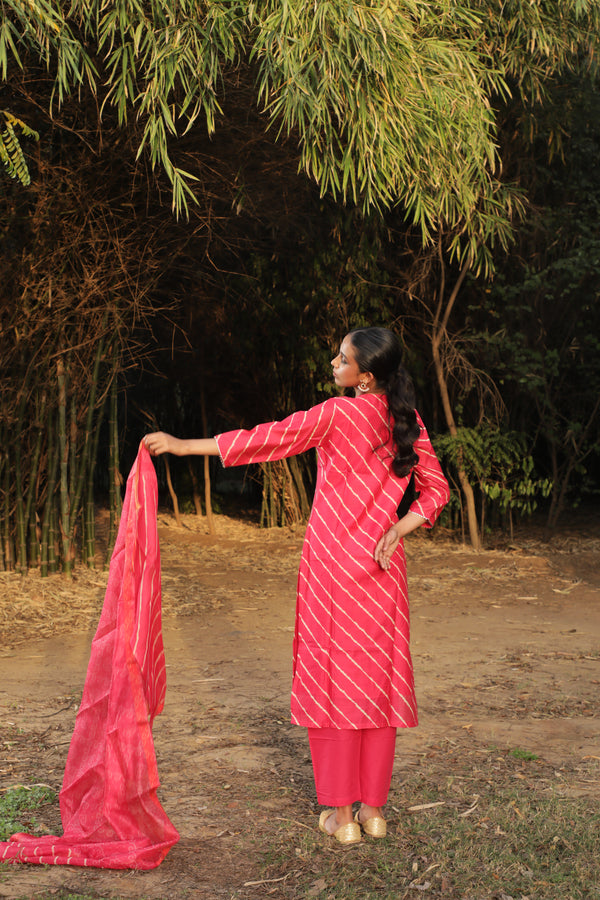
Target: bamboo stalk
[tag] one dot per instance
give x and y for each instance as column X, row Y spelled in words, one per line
column 21, row 529
column 114, row 486
column 53, row 533
column 6, row 535
column 174, row 499
column 272, row 498
column 282, row 497
column 2, row 467
column 263, row 502
column 63, row 447
column 207, row 497
column 90, row 517
column 300, row 488
column 45, row 554
column 85, row 455
column 30, row 512
column 72, row 460
column 195, row 492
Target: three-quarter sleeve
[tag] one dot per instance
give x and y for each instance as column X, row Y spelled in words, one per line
column 274, row 440
column 430, row 481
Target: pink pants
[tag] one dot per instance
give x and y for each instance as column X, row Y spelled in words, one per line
column 352, row 764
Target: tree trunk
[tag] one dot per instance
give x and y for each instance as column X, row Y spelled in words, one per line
column 174, row 499
column 437, row 336
column 195, row 492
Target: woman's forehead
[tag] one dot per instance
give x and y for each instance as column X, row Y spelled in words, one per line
column 346, row 346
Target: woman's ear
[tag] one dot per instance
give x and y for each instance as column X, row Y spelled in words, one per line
column 368, row 379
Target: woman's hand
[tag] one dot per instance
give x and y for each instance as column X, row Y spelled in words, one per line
column 388, row 543
column 386, row 546
column 160, row 442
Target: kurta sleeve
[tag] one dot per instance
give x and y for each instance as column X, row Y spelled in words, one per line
column 274, row 440
column 430, row 482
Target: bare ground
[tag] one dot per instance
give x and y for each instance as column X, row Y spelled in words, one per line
column 506, row 645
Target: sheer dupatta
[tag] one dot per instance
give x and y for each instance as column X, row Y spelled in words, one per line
column 110, row 811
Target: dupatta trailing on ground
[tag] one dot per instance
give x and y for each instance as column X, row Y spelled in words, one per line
column 111, row 815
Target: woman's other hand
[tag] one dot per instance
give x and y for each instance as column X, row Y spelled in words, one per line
column 388, row 543
column 385, row 547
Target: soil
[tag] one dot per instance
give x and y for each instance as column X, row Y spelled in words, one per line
column 506, row 646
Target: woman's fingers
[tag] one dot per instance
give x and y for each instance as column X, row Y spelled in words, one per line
column 385, row 548
column 157, row 443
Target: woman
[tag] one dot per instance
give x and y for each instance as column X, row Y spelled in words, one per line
column 352, row 676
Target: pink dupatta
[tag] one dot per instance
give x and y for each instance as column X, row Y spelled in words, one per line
column 110, row 811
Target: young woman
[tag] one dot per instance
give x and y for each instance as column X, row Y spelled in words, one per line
column 352, row 675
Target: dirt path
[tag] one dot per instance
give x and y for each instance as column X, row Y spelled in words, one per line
column 506, row 645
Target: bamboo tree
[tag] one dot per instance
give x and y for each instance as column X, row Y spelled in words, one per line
column 207, row 496
column 33, row 480
column 54, row 537
column 21, row 528
column 114, row 481
column 2, row 466
column 172, row 493
column 300, row 488
column 63, row 449
column 79, row 471
column 195, row 491
column 90, row 512
column 47, row 556
column 7, row 544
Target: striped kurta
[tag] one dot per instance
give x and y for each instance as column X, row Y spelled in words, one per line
column 352, row 664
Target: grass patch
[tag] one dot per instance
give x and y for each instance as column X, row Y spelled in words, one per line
column 17, row 804
column 523, row 754
column 476, row 825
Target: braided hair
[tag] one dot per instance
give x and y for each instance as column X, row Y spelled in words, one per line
column 378, row 350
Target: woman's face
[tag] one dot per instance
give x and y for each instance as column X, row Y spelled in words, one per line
column 346, row 372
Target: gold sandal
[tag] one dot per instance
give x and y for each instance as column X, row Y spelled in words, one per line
column 375, row 827
column 345, row 834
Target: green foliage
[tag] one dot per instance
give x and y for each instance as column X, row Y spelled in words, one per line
column 390, row 103
column 17, row 802
column 369, row 88
column 499, row 463
column 540, row 320
column 41, row 27
column 11, row 152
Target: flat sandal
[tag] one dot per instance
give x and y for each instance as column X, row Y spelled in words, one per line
column 375, row 827
column 345, row 834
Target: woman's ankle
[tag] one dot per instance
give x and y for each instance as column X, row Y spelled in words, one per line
column 369, row 812
column 343, row 815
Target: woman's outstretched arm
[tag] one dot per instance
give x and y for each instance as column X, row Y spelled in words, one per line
column 160, row 442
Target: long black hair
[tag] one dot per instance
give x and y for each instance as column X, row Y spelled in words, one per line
column 378, row 350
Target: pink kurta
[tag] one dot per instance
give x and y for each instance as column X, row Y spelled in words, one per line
column 352, row 663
